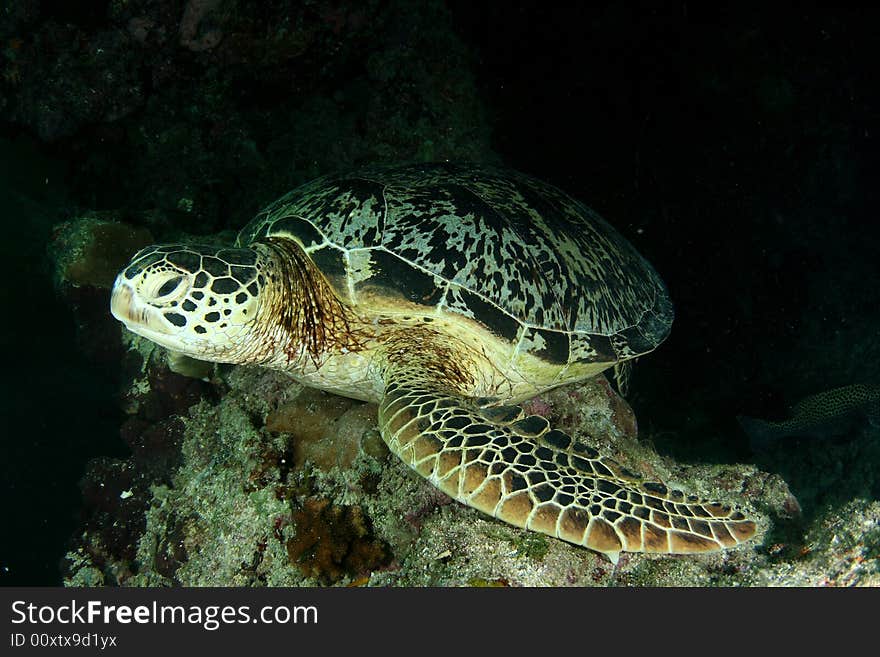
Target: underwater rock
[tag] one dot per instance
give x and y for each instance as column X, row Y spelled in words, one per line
column 159, row 392
column 115, row 500
column 309, row 414
column 333, row 84
column 68, row 77
column 155, row 446
column 90, row 251
column 841, row 547
column 87, row 254
column 238, row 508
column 195, row 13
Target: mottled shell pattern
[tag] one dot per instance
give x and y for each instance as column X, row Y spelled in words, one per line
column 531, row 264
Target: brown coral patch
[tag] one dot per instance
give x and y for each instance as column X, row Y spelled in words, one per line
column 327, row 430
column 103, row 251
column 332, row 542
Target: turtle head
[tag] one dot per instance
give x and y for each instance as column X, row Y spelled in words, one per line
column 201, row 301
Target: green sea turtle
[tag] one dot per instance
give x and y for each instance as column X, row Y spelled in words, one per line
column 446, row 294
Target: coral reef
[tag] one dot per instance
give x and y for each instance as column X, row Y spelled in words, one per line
column 240, row 506
column 262, row 93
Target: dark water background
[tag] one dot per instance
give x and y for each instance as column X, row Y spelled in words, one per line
column 736, row 148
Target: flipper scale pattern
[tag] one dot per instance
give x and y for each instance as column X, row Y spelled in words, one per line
column 516, row 468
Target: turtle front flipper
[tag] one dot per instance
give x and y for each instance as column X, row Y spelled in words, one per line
column 518, row 469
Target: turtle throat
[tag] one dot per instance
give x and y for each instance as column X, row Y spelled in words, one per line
column 301, row 319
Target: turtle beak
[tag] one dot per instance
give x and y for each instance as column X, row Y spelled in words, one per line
column 137, row 316
column 121, row 302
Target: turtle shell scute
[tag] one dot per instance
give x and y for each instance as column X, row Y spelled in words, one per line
column 527, row 261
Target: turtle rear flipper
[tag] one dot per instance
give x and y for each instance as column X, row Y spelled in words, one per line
column 519, row 470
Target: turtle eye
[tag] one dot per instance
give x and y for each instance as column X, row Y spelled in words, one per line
column 169, row 286
column 166, row 287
